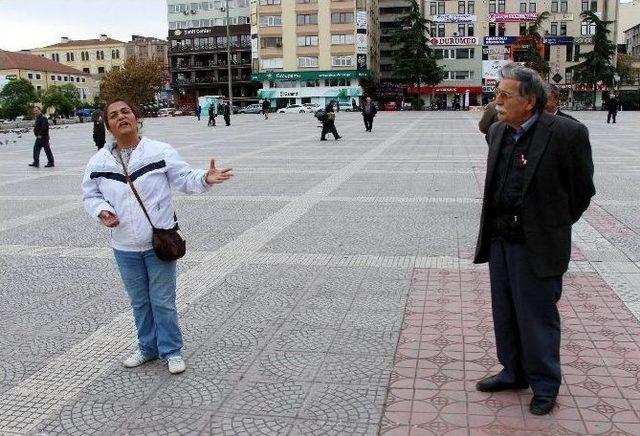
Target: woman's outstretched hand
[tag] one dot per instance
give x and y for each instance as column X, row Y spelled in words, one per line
column 215, row 176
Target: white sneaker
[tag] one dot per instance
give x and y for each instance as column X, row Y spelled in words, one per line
column 136, row 359
column 176, row 365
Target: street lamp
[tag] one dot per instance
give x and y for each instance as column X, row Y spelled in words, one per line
column 230, row 91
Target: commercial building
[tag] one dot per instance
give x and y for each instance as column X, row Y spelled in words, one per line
column 43, row 73
column 198, row 60
column 314, row 51
column 143, row 47
column 475, row 38
column 632, row 40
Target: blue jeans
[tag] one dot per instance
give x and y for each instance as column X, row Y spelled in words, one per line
column 151, row 285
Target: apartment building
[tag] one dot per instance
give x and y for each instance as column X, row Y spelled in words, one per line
column 198, row 61
column 314, row 51
column 43, row 73
column 475, row 38
column 391, row 12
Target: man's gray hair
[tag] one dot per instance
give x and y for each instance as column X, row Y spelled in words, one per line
column 550, row 88
column 530, row 82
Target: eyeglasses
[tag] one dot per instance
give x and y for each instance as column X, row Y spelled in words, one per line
column 502, row 93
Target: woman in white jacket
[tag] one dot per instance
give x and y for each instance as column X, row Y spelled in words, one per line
column 155, row 169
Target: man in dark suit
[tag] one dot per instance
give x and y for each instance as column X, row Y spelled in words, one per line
column 539, row 182
column 612, row 108
column 553, row 99
column 369, row 111
column 41, row 130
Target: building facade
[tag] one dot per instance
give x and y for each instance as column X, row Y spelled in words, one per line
column 198, row 60
column 474, row 38
column 92, row 56
column 391, row 11
column 143, row 47
column 43, row 73
column 632, row 39
column 314, row 51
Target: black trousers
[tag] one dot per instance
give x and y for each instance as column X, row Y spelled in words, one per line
column 39, row 145
column 525, row 318
column 227, row 120
column 212, row 121
column 368, row 122
column 329, row 127
column 612, row 114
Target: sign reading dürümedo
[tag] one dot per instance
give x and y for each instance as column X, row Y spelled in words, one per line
column 454, row 40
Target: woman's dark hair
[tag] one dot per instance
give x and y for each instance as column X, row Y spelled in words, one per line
column 134, row 108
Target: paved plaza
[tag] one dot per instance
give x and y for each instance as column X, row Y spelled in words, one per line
column 328, row 288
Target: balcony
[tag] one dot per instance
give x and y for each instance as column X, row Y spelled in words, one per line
column 182, row 49
column 212, row 64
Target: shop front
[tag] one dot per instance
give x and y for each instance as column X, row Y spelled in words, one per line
column 320, row 87
column 448, row 97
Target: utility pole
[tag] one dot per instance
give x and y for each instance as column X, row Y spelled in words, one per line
column 229, row 58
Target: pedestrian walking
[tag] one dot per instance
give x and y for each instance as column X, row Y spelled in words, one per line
column 553, row 97
column 354, row 105
column 127, row 187
column 539, row 181
column 369, row 111
column 198, row 111
column 41, row 130
column 99, row 133
column 266, row 108
column 226, row 110
column 212, row 115
column 612, row 108
column 329, row 123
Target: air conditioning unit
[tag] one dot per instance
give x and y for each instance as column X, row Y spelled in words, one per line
column 193, row 12
column 186, row 12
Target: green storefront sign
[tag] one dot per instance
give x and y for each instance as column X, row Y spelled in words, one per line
column 310, row 75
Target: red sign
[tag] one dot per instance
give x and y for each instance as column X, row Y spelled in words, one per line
column 444, row 89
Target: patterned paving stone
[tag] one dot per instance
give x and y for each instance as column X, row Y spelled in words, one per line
column 238, row 425
column 164, row 421
column 281, row 399
column 344, row 403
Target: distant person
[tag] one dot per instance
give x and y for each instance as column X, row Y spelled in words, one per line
column 226, row 111
column 612, row 108
column 99, row 133
column 354, row 105
column 489, row 117
column 266, row 108
column 41, row 130
column 329, row 123
column 369, row 111
column 149, row 281
column 553, row 97
column 212, row 115
column 198, row 111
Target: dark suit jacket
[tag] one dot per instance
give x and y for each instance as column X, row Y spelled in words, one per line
column 557, row 189
column 562, row 114
column 41, row 127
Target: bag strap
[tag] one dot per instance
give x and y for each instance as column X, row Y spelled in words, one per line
column 133, row 188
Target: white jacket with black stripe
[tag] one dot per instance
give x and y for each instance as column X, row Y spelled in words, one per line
column 155, row 169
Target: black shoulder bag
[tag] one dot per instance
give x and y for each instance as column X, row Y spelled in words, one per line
column 168, row 244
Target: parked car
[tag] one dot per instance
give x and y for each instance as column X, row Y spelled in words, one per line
column 391, row 106
column 294, row 109
column 251, row 109
column 313, row 107
column 166, row 112
column 85, row 113
column 344, row 106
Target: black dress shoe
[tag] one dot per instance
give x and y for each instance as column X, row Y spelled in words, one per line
column 35, row 165
column 322, row 139
column 494, row 384
column 49, row 165
column 541, row 405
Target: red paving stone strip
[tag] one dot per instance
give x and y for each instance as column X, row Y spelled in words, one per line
column 447, row 344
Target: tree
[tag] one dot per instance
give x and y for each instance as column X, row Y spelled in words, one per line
column 531, row 45
column 17, row 98
column 626, row 70
column 414, row 60
column 596, row 66
column 138, row 81
column 63, row 99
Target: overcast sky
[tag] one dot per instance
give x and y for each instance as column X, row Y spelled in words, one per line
column 36, row 23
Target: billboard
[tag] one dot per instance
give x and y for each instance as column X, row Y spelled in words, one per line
column 490, row 69
column 513, row 17
column 455, row 40
column 558, row 40
column 499, row 40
